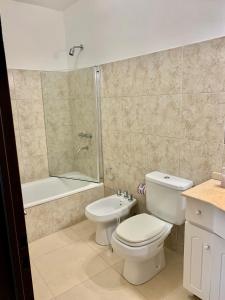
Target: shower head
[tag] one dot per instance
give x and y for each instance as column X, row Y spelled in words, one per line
column 72, row 50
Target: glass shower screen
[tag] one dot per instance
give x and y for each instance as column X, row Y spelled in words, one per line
column 72, row 120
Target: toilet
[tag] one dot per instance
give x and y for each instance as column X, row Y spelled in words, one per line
column 107, row 213
column 139, row 240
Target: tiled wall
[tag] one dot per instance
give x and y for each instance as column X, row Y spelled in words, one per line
column 58, row 118
column 27, row 105
column 164, row 111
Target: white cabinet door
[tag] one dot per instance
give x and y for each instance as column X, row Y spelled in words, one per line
column 197, row 261
column 218, row 270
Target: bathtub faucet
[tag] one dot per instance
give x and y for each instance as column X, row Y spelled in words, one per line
column 85, row 135
column 79, row 149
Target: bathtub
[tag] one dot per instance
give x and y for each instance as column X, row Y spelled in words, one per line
column 53, row 204
column 52, row 188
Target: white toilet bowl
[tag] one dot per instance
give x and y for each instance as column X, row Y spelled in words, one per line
column 107, row 213
column 139, row 241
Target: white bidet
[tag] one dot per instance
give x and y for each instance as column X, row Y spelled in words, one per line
column 107, row 212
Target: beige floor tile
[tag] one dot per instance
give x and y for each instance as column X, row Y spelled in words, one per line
column 41, row 290
column 180, row 294
column 107, row 285
column 166, row 282
column 69, row 266
column 86, row 231
column 84, row 228
column 110, row 257
column 118, row 267
column 52, row 242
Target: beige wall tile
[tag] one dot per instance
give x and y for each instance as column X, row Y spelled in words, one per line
column 163, row 154
column 117, row 146
column 35, row 167
column 60, row 162
column 112, row 114
column 55, row 85
column 203, row 116
column 139, row 150
column 59, row 138
column 30, row 114
column 164, row 69
column 57, row 112
column 137, row 113
column 41, row 220
column 27, row 85
column 28, row 117
column 117, row 78
column 157, row 73
column 78, row 80
column 198, row 159
column 165, row 118
column 204, row 67
column 33, row 143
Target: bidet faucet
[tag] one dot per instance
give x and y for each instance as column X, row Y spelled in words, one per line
column 130, row 197
column 126, row 195
column 119, row 193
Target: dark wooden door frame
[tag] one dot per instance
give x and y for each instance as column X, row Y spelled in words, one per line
column 15, row 272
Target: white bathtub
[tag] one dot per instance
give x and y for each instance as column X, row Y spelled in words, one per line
column 52, row 188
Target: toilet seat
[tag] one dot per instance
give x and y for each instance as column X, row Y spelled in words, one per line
column 141, row 230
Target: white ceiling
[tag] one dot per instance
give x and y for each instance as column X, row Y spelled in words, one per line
column 54, row 4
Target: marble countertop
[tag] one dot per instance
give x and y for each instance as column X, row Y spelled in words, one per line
column 210, row 192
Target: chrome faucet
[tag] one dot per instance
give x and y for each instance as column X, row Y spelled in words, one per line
column 130, row 198
column 119, row 193
column 126, row 194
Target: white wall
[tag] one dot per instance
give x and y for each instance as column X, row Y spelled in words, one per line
column 34, row 37
column 116, row 29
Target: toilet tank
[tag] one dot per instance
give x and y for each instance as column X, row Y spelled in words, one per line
column 163, row 196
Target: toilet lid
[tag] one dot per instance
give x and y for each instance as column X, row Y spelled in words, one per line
column 140, row 228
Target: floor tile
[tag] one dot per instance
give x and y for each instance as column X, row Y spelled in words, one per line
column 107, row 285
column 84, row 228
column 41, row 290
column 153, row 288
column 52, row 242
column 110, row 257
column 86, row 231
column 118, row 267
column 68, row 266
column 180, row 294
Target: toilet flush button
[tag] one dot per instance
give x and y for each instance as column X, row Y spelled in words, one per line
column 166, row 177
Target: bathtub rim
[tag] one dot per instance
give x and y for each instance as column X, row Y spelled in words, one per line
column 91, row 185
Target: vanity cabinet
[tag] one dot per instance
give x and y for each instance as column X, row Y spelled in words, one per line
column 198, row 261
column 218, row 271
column 204, row 251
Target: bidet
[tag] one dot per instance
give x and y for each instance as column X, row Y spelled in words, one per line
column 106, row 212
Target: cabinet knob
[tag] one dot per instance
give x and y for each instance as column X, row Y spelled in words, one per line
column 206, row 247
column 198, row 212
